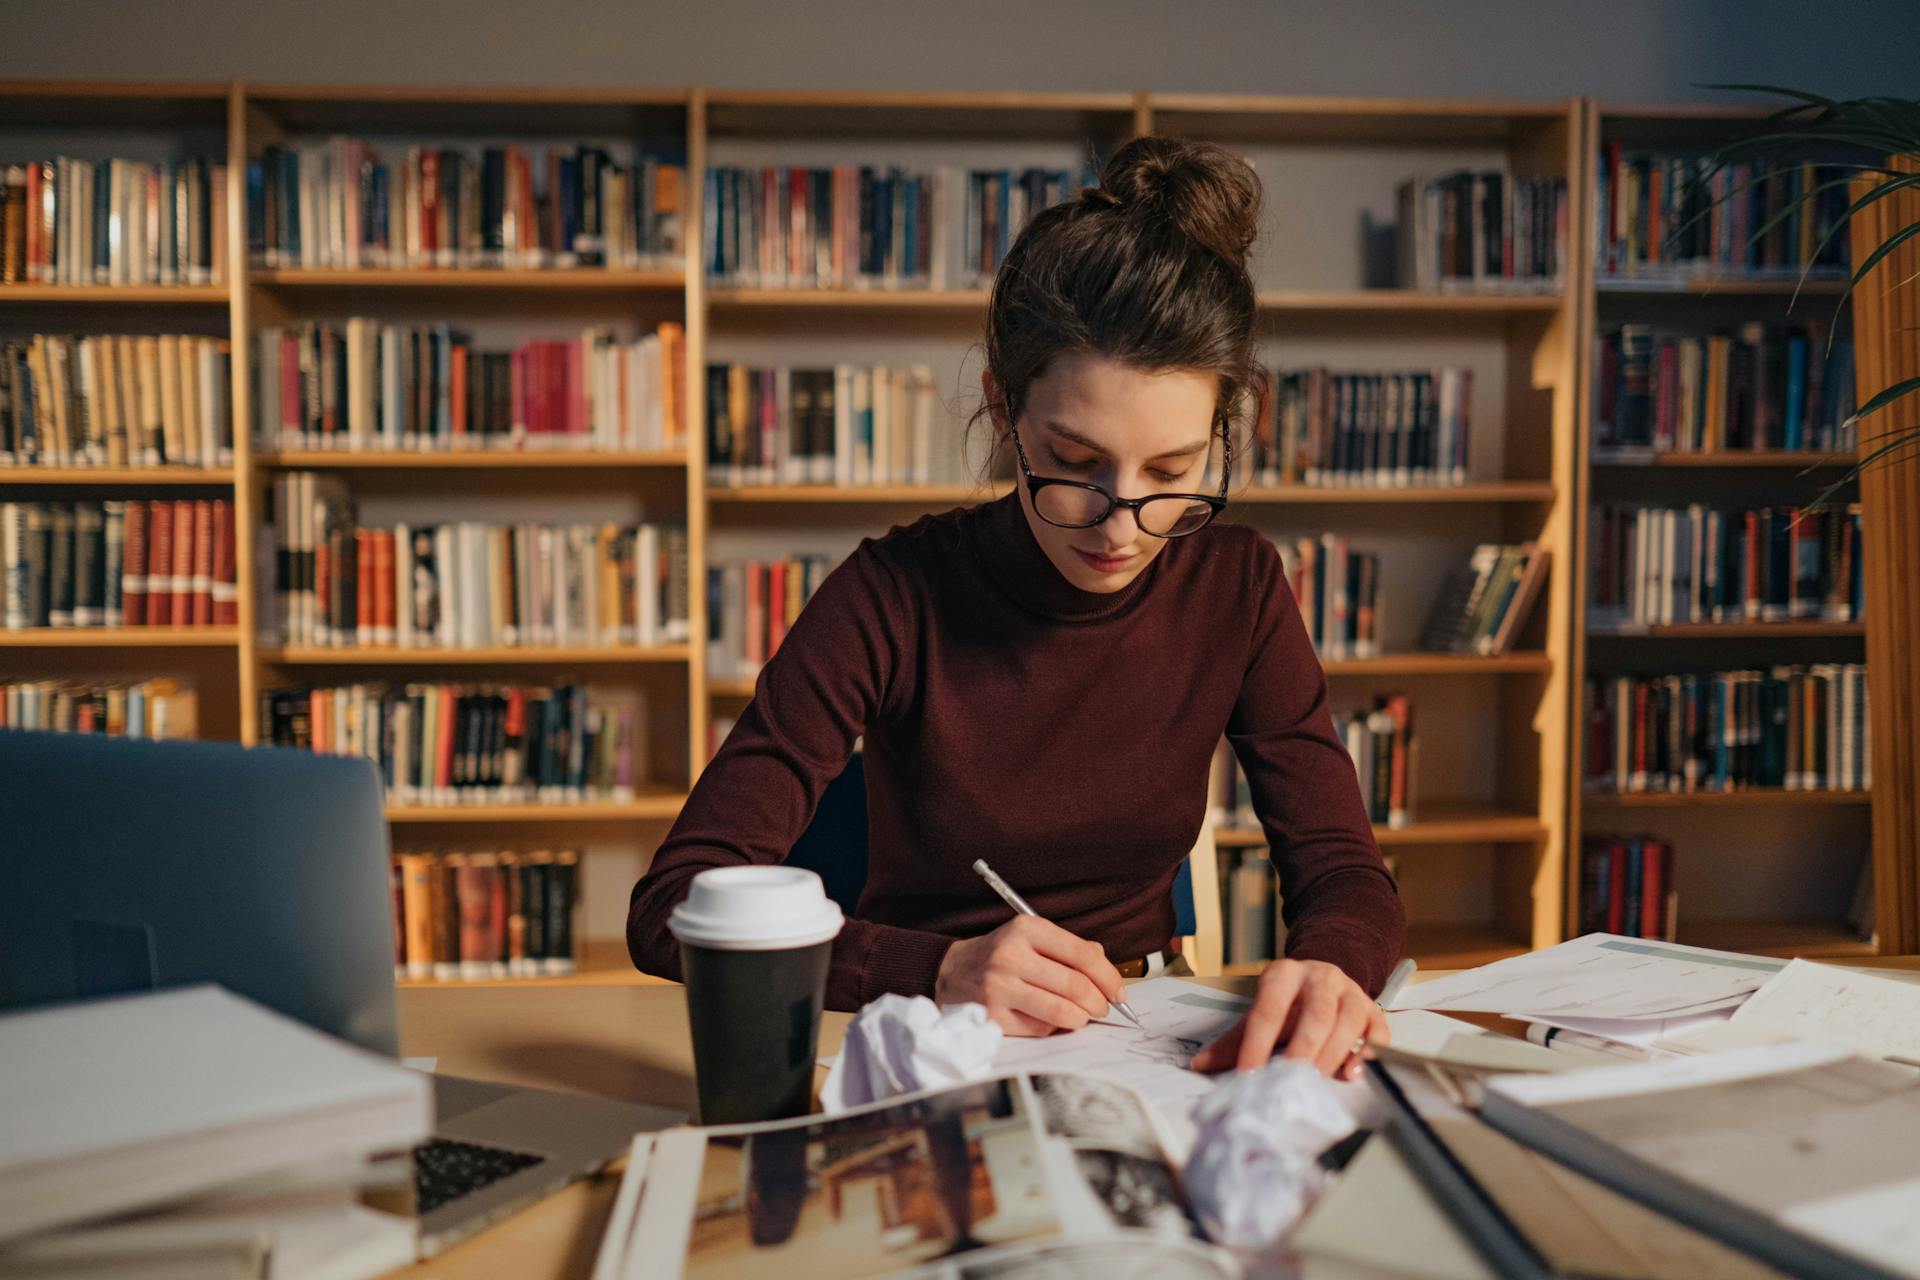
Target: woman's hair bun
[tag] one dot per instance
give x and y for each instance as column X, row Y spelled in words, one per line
column 1210, row 195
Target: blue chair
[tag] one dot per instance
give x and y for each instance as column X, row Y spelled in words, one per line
column 834, row 845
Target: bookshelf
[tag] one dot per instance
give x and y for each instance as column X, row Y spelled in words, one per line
column 1758, row 869
column 1487, row 867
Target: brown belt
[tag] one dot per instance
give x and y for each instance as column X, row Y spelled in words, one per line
column 1138, row 968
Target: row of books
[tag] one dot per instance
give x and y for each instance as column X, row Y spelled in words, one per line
column 115, row 400
column 133, row 563
column 1338, row 592
column 1658, row 565
column 1758, row 387
column 1366, row 430
column 157, row 708
column 1482, row 230
column 1662, row 213
column 1483, row 603
column 1385, row 756
column 367, row 386
column 338, row 204
column 847, row 425
column 469, row 584
column 1627, row 886
column 1251, row 928
column 750, row 605
column 1798, row 728
column 68, row 221
column 470, row 744
column 465, row 917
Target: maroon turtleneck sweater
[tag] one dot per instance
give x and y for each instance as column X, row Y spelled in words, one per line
column 1063, row 735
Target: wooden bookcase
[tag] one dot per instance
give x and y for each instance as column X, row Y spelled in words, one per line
column 1485, row 868
column 1758, row 870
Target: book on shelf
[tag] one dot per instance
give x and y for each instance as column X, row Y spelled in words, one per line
column 1654, row 566
column 1861, row 918
column 1796, row 728
column 1627, row 887
column 1482, row 230
column 468, row 584
column 1756, row 387
column 847, row 426
column 115, row 400
column 131, row 563
column 160, row 707
column 1484, row 602
column 473, row 744
column 1337, row 590
column 339, row 204
column 68, row 221
column 365, row 386
column 1682, row 217
column 466, row 917
column 750, row 606
column 1386, row 756
column 1366, row 430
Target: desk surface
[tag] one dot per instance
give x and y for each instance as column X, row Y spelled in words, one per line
column 619, row 1041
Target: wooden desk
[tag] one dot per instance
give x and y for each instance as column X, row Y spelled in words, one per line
column 618, row 1041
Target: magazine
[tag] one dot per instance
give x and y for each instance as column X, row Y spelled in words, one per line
column 1023, row 1176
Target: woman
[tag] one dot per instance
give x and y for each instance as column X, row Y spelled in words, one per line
column 1041, row 680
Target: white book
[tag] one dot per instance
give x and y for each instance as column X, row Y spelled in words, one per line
column 390, row 406
column 843, row 425
column 118, row 1103
column 647, row 560
column 447, row 570
column 922, row 471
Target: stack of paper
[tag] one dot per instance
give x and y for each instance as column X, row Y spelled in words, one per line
column 127, row 1104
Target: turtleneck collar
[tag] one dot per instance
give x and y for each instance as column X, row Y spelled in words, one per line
column 1016, row 562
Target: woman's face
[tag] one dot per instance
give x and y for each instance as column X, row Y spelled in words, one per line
column 1094, row 419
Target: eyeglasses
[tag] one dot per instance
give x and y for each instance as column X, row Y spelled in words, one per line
column 1075, row 504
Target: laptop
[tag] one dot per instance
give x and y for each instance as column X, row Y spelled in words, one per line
column 133, row 865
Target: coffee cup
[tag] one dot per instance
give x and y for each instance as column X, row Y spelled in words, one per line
column 754, row 946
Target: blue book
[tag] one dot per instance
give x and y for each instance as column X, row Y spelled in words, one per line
column 1636, row 870
column 1796, row 405
column 910, row 227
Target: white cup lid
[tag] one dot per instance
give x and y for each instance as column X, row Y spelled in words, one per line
column 755, row 908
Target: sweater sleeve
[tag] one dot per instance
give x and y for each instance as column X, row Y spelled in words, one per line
column 1339, row 902
column 834, row 672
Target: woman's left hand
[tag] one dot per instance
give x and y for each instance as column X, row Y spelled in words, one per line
column 1311, row 1007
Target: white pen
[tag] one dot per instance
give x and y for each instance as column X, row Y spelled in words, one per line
column 1396, row 980
column 1019, row 904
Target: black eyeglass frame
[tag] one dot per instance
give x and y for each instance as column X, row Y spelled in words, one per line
column 1216, row 503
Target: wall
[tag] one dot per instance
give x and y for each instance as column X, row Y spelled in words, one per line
column 1624, row 49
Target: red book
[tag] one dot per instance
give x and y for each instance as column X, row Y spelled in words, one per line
column 291, row 418
column 382, row 586
column 183, row 527
column 133, row 567
column 429, row 202
column 363, row 571
column 1653, row 888
column 443, row 766
column 1616, row 886
column 576, row 357
column 226, row 576
column 201, row 599
column 159, row 563
column 1750, row 589
column 457, row 388
column 322, row 592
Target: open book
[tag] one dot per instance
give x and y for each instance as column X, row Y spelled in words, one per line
column 1025, row 1175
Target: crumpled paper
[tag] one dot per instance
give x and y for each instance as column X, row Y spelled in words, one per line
column 1253, row 1171
column 901, row 1044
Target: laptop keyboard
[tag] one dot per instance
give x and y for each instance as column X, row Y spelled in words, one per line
column 444, row 1170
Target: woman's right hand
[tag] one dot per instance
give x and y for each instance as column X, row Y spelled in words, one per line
column 1033, row 976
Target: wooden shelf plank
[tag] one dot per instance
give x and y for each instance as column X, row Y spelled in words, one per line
column 1801, row 458
column 730, row 688
column 646, row 807
column 209, row 476
column 555, row 279
column 1754, row 798
column 1439, row 664
column 604, row 962
column 303, row 655
column 129, row 294
column 1272, row 301
column 1436, row 824
column 1829, row 938
column 1707, row 286
column 871, row 495
column 469, row 460
column 1334, row 495
column 1729, row 630
column 121, row 638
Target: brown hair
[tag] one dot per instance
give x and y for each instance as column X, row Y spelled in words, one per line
column 1149, row 267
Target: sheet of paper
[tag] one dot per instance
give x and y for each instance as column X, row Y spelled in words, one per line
column 1855, row 1008
column 1601, row 975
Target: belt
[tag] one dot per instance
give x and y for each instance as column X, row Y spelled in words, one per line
column 1150, row 965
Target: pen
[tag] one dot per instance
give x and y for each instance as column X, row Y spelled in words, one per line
column 1396, row 980
column 1019, row 904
